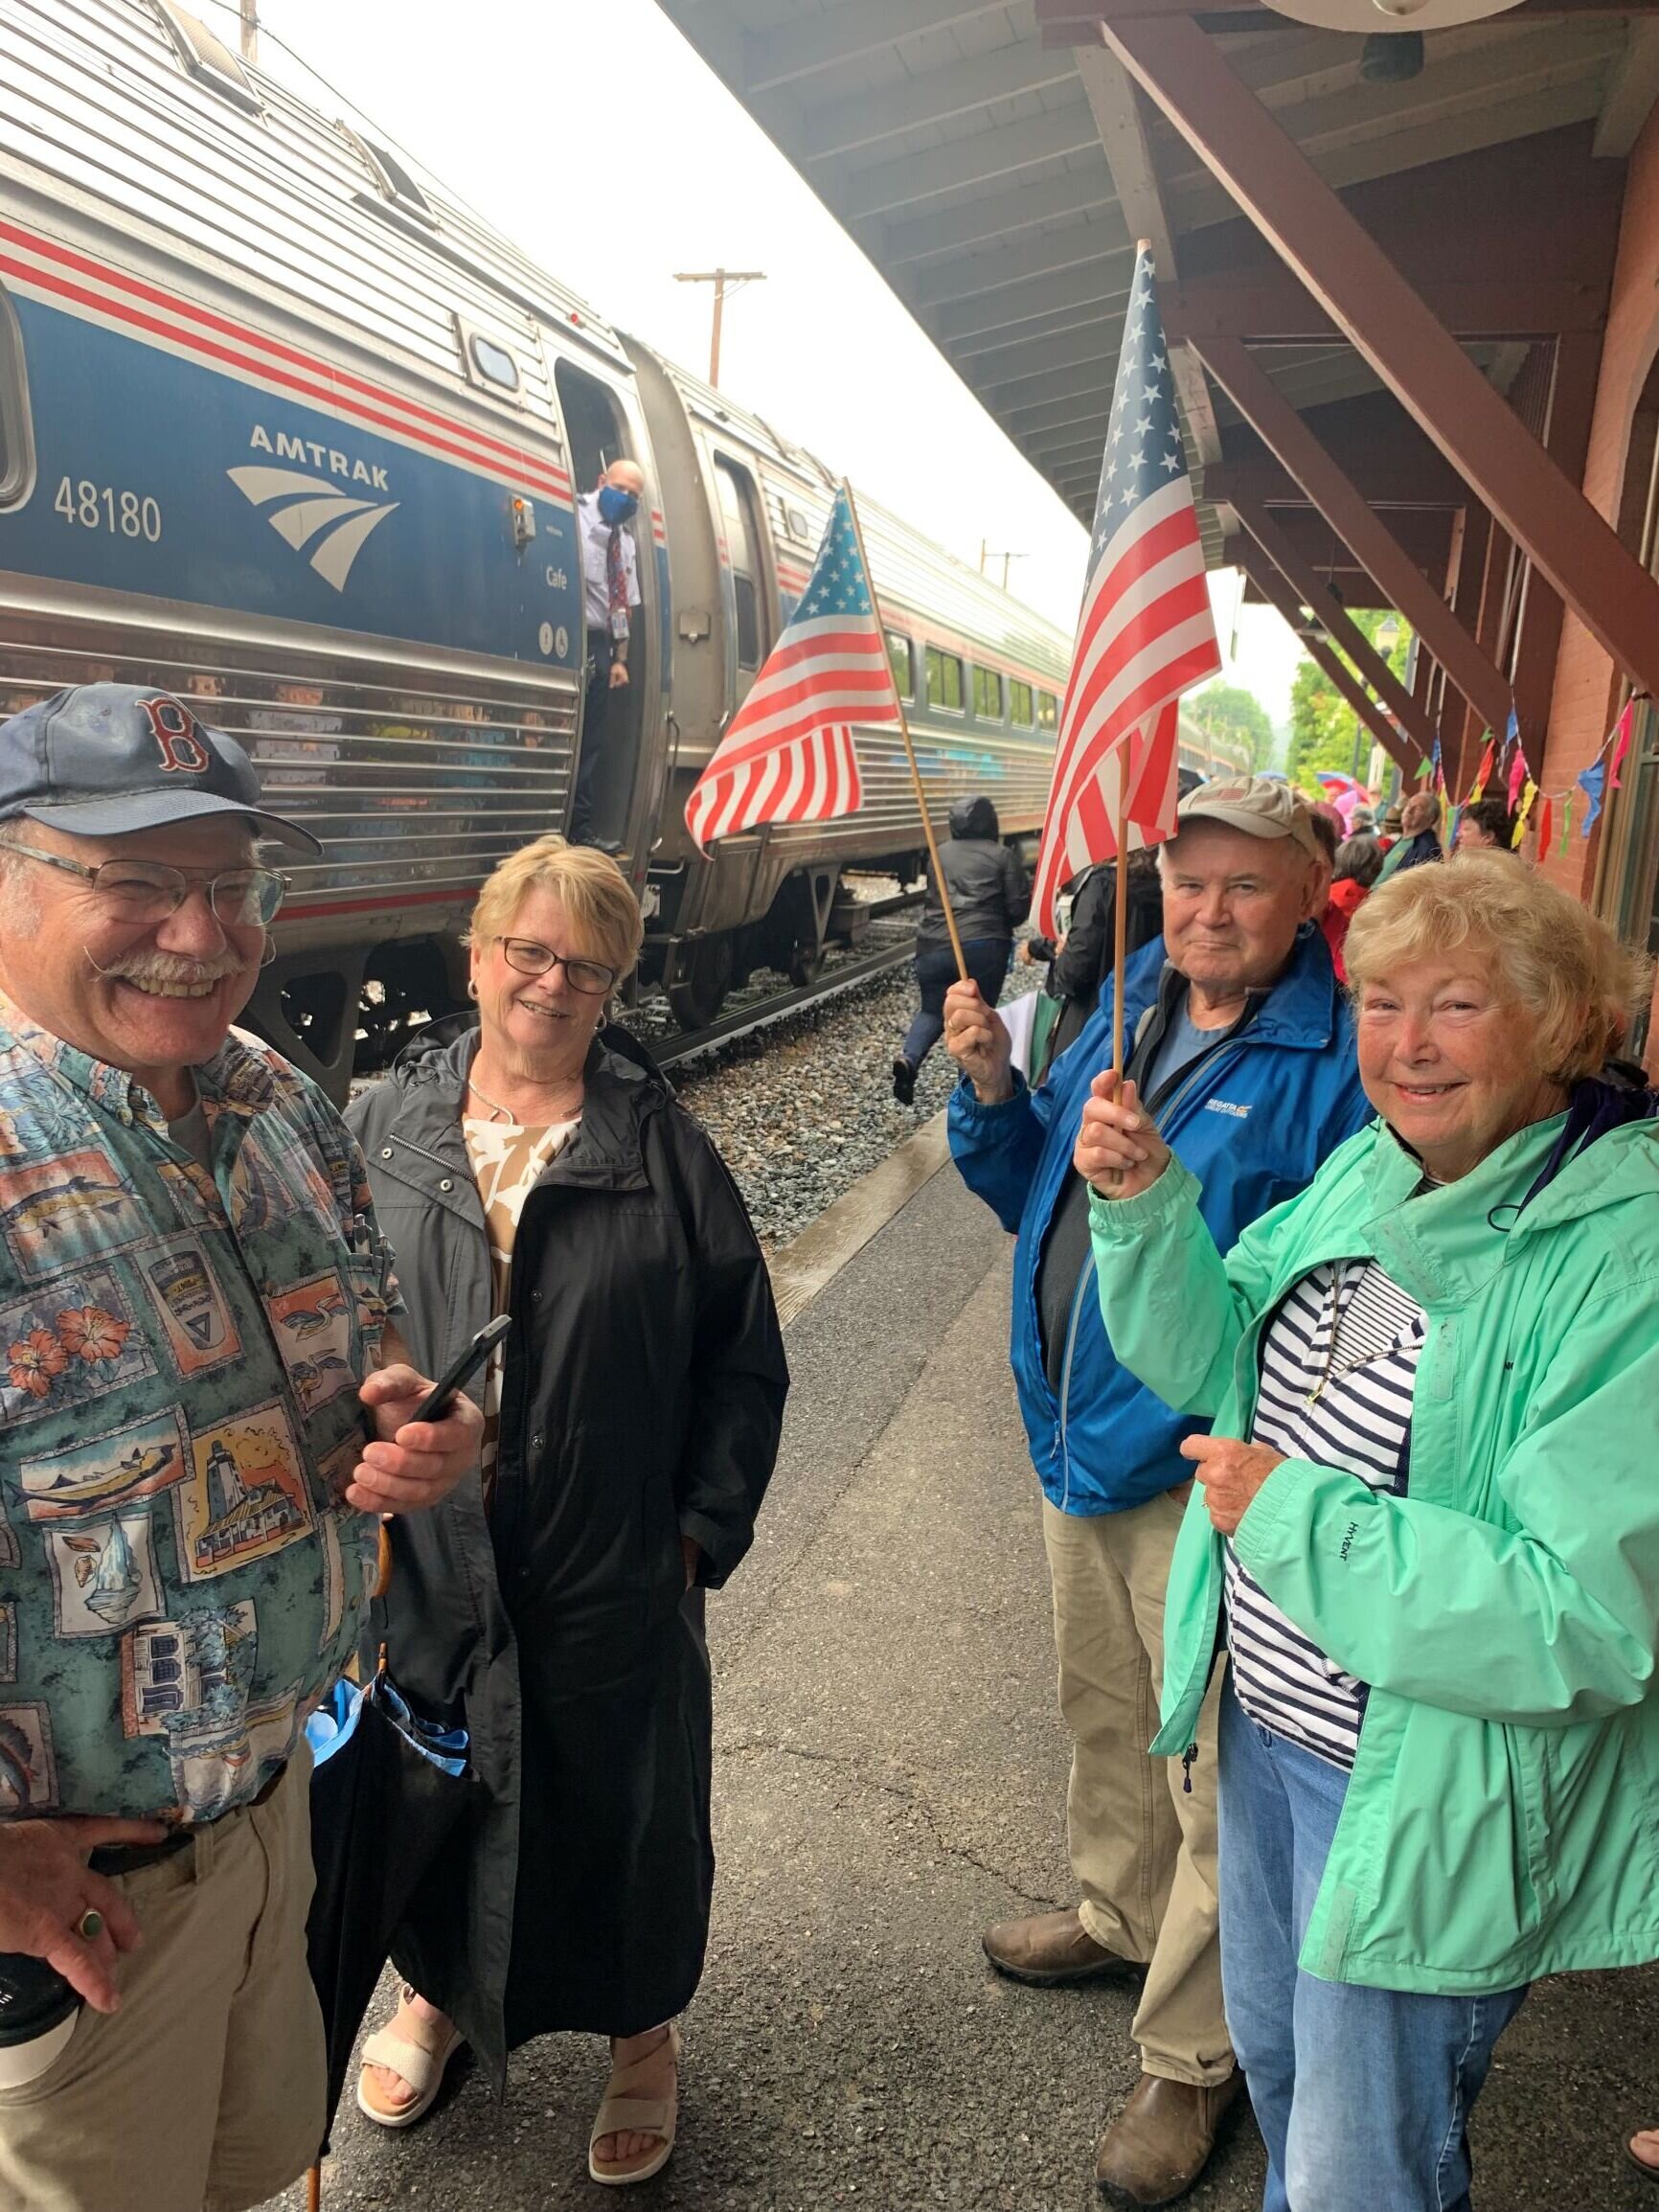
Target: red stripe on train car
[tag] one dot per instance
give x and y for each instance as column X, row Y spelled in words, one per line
column 476, row 447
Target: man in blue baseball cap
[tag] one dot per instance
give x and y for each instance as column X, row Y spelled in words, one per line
column 206, row 1409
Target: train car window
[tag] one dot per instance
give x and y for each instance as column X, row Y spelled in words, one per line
column 737, row 520
column 207, row 59
column 16, row 446
column 494, row 364
column 391, row 178
column 1048, row 711
column 901, row 659
column 944, row 680
column 987, row 695
column 1020, row 703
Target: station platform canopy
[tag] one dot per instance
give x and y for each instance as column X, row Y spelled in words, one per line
column 1384, row 247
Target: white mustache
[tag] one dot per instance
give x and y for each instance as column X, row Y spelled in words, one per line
column 163, row 968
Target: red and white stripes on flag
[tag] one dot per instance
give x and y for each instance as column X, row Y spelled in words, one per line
column 788, row 755
column 1146, row 635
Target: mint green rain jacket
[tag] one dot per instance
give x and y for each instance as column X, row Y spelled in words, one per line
column 1502, row 1821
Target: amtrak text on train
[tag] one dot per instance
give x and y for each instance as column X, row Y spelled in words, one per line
column 288, row 449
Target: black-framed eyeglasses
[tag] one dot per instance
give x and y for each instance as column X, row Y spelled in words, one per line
column 526, row 957
column 148, row 890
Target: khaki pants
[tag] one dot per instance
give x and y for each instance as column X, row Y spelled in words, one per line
column 206, row 2087
column 1142, row 1847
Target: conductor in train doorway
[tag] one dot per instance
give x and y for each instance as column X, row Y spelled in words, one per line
column 1242, row 1044
column 610, row 574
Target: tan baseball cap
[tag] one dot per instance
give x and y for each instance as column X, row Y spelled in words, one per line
column 1260, row 805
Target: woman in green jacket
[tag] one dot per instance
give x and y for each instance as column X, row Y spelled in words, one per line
column 1428, row 1504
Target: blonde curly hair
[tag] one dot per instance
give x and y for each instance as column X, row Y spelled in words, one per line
column 1548, row 955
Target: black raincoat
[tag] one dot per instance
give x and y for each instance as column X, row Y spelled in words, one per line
column 643, row 1398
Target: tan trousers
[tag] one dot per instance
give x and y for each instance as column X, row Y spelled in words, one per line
column 1142, row 1847
column 206, row 2087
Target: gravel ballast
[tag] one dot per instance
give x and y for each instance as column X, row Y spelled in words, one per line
column 802, row 1109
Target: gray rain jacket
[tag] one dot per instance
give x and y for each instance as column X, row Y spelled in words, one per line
column 643, row 1398
column 988, row 893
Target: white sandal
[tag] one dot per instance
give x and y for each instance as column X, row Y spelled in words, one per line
column 421, row 2065
column 624, row 2113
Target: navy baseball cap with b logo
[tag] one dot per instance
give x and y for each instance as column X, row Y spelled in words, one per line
column 107, row 759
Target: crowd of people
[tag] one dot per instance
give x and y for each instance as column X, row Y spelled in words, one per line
column 1332, row 1338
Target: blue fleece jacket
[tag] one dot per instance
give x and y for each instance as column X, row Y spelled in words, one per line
column 1253, row 1122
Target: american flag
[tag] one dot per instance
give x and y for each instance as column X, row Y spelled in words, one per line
column 1146, row 635
column 788, row 755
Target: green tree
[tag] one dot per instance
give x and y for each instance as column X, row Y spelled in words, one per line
column 1227, row 716
column 1324, row 732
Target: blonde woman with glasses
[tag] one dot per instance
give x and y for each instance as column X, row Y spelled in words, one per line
column 533, row 1162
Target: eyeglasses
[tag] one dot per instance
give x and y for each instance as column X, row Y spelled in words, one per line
column 148, row 890
column 526, row 957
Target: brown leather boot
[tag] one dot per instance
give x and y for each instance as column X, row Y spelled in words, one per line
column 1046, row 1948
column 1161, row 2141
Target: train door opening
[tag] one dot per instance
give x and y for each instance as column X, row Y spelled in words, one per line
column 612, row 715
column 751, row 603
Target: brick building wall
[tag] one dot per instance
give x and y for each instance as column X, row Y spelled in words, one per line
column 1584, row 697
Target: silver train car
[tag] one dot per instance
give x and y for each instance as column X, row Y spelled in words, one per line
column 288, row 431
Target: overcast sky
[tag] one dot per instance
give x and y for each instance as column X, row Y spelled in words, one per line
column 598, row 140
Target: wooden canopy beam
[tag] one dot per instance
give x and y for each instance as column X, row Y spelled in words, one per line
column 1324, row 605
column 1280, row 312
column 1275, row 183
column 1078, row 22
column 1279, row 595
column 1261, row 403
column 1128, row 151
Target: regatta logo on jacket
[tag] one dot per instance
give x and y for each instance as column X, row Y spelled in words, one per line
column 1226, row 1105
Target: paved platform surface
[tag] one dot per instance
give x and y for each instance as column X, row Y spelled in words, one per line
column 890, row 1775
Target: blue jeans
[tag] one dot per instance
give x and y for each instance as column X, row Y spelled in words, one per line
column 1362, row 2095
column 987, row 964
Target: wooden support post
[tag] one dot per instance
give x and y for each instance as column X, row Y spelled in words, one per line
column 1273, row 181
column 1402, row 584
column 1278, row 594
column 1322, row 603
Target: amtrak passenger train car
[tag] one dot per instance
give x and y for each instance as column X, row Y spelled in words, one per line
column 288, row 431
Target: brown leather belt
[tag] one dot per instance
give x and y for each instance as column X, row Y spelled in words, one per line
column 114, row 1859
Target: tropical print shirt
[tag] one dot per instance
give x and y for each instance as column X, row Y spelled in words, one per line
column 180, row 1353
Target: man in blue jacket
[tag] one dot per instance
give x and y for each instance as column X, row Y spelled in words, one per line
column 1242, row 1046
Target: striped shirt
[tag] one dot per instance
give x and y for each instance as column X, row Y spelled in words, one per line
column 1338, row 1368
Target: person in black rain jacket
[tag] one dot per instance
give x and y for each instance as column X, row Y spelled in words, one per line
column 534, row 1162
column 988, row 896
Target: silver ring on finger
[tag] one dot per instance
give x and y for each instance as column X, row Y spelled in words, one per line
column 90, row 1925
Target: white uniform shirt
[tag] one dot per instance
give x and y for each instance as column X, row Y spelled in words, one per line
column 595, row 552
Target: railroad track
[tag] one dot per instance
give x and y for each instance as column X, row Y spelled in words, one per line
column 674, row 1051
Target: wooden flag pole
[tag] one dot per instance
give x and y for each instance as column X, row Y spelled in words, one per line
column 1119, row 927
column 1121, row 830
column 938, row 882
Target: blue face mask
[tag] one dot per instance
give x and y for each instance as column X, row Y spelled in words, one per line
column 616, row 506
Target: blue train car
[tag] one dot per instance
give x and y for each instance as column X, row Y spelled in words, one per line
column 286, row 429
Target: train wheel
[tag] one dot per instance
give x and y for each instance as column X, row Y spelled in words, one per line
column 702, row 978
column 805, row 965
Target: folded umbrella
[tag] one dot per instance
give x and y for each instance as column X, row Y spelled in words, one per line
column 390, row 1789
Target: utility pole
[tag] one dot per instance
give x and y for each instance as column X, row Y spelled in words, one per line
column 250, row 15
column 724, row 281
column 984, row 555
